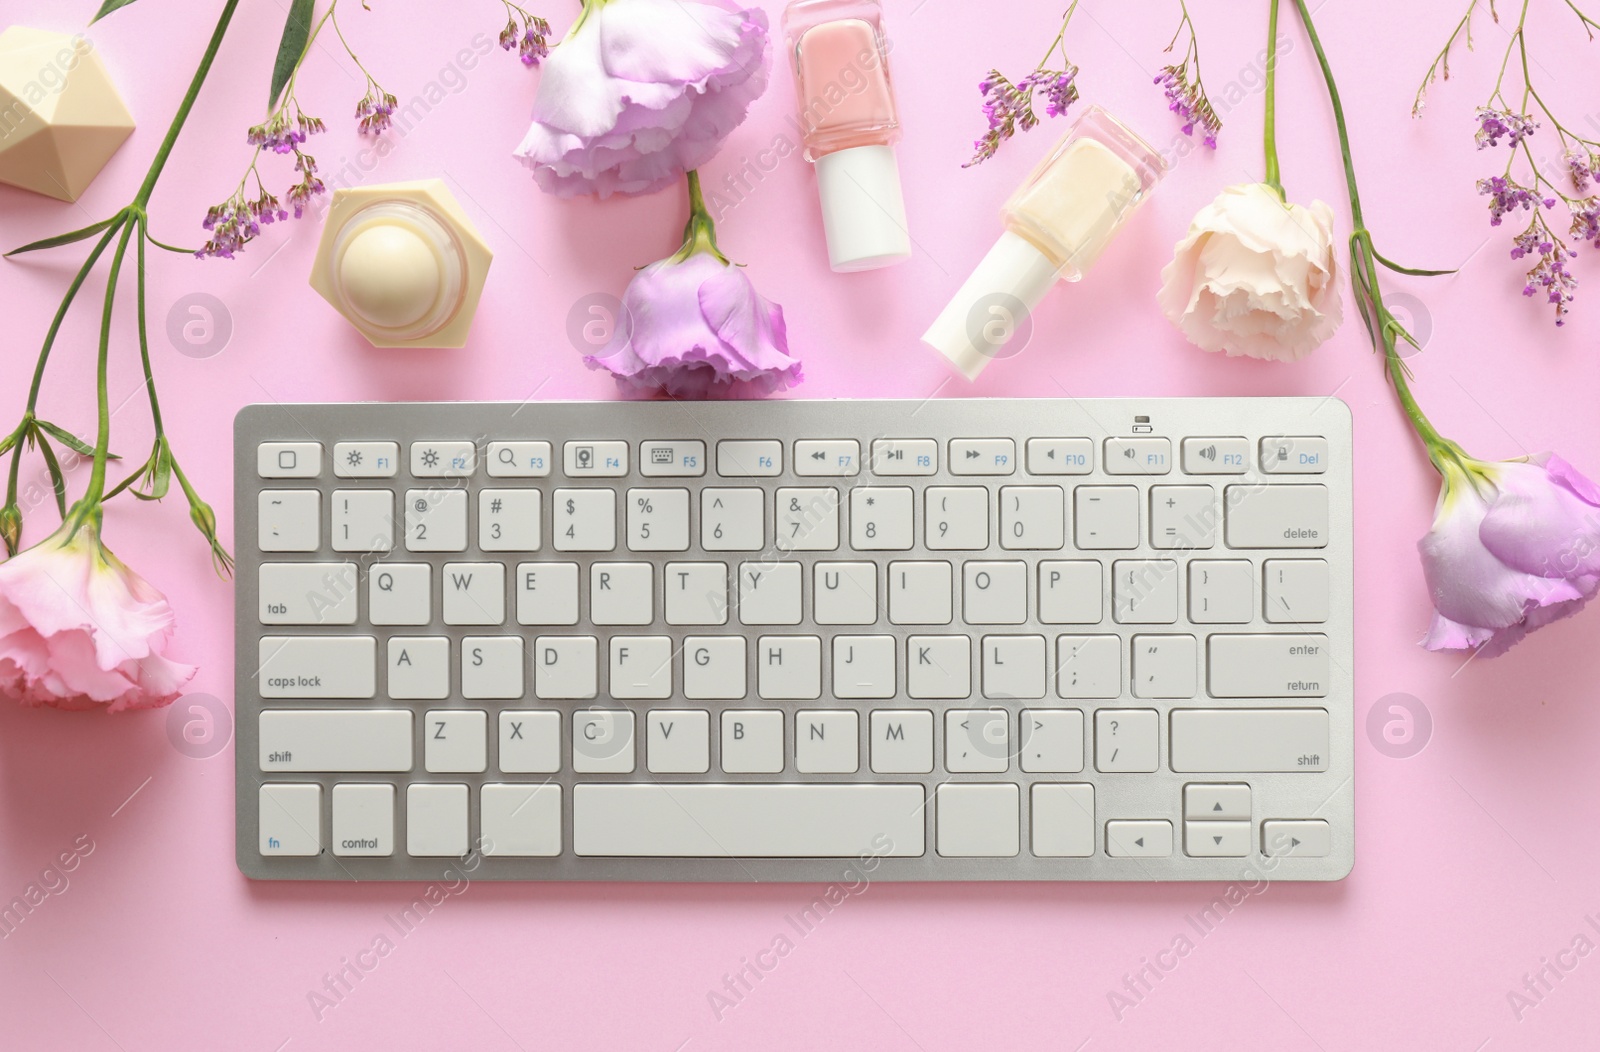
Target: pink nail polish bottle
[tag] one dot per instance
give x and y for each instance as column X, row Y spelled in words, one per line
column 849, row 127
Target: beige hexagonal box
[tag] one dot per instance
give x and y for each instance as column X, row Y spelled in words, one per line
column 61, row 118
column 403, row 263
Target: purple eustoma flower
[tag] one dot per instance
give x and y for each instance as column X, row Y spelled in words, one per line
column 642, row 91
column 1515, row 545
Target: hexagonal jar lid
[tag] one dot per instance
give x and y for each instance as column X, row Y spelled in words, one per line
column 61, row 118
column 402, row 263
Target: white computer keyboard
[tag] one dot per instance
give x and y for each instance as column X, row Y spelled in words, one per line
column 1041, row 639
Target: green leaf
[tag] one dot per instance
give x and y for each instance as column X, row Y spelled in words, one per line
column 296, row 31
column 1413, row 271
column 66, row 239
column 71, row 441
column 108, row 7
column 57, row 480
column 170, row 248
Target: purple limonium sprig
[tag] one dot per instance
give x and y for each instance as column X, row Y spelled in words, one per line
column 375, row 111
column 1186, row 95
column 525, row 33
column 1009, row 106
column 1525, row 185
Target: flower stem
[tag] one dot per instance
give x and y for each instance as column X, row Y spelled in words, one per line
column 699, row 233
column 97, row 477
column 1269, row 132
column 142, row 198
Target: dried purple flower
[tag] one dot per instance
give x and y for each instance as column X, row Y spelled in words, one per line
column 1185, row 97
column 1584, row 167
column 1506, row 195
column 1494, row 125
column 1008, row 107
column 1586, row 221
column 526, row 34
column 375, row 111
column 1550, row 274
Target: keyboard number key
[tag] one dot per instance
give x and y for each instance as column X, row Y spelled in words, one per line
column 584, row 520
column 508, row 520
column 880, row 518
column 658, row 520
column 808, row 519
column 436, row 520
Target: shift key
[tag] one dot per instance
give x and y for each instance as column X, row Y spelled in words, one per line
column 318, row 667
column 1272, row 665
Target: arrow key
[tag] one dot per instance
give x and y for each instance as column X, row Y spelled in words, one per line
column 1226, row 802
column 1216, row 839
column 1141, row 839
column 1306, row 838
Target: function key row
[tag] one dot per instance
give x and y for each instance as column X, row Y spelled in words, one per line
column 764, row 458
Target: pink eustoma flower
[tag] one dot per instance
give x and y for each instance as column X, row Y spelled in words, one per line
column 642, row 91
column 1515, row 545
column 79, row 630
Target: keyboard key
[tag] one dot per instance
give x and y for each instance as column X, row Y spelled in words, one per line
column 1052, row 742
column 363, row 820
column 1144, row 591
column 418, row 668
column 697, row 593
column 491, row 668
column 1070, row 592
column 747, row 821
column 1294, row 456
column 1139, row 839
column 1216, row 456
column 1063, row 821
column 1089, row 666
column 602, row 741
column 436, row 520
column 1277, row 516
column 1296, row 591
column 752, row 741
column 289, row 520
column 317, row 666
column 455, row 741
column 678, row 741
column 1105, row 517
column 1164, row 666
column 443, row 459
column 474, row 593
column 1221, row 591
column 508, row 520
column 1216, row 839
column 920, row 593
column 1225, row 802
column 905, row 456
column 714, row 668
column 827, row 742
column 659, row 458
column 1249, row 740
column 1033, row 518
column 1138, row 456
column 1183, row 517
column 742, row 458
column 1278, row 665
column 733, row 520
column 833, row 457
column 530, row 741
column 591, row 459
column 547, row 594
column 994, row 593
column 622, row 593
column 808, row 520
column 983, row 456
column 520, row 820
column 289, row 460
column 366, row 460
column 978, row 821
column 863, row 666
column 335, row 740
column 308, row 593
column 566, row 667
column 880, row 518
column 901, row 741
column 400, row 594
column 939, row 667
column 1126, row 740
column 977, row 741
column 584, row 520
column 769, row 594
column 436, row 821
column 658, row 520
column 1014, row 667
column 516, row 460
column 363, row 520
column 789, row 667
column 957, row 518
column 1303, row 838
column 844, row 593
column 1060, row 456
column 641, row 667
column 290, row 819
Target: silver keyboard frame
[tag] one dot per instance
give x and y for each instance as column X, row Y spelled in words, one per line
column 1327, row 795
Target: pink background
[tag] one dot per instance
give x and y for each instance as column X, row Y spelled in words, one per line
column 1475, row 857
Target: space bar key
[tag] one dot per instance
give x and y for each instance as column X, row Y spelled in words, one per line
column 747, row 821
